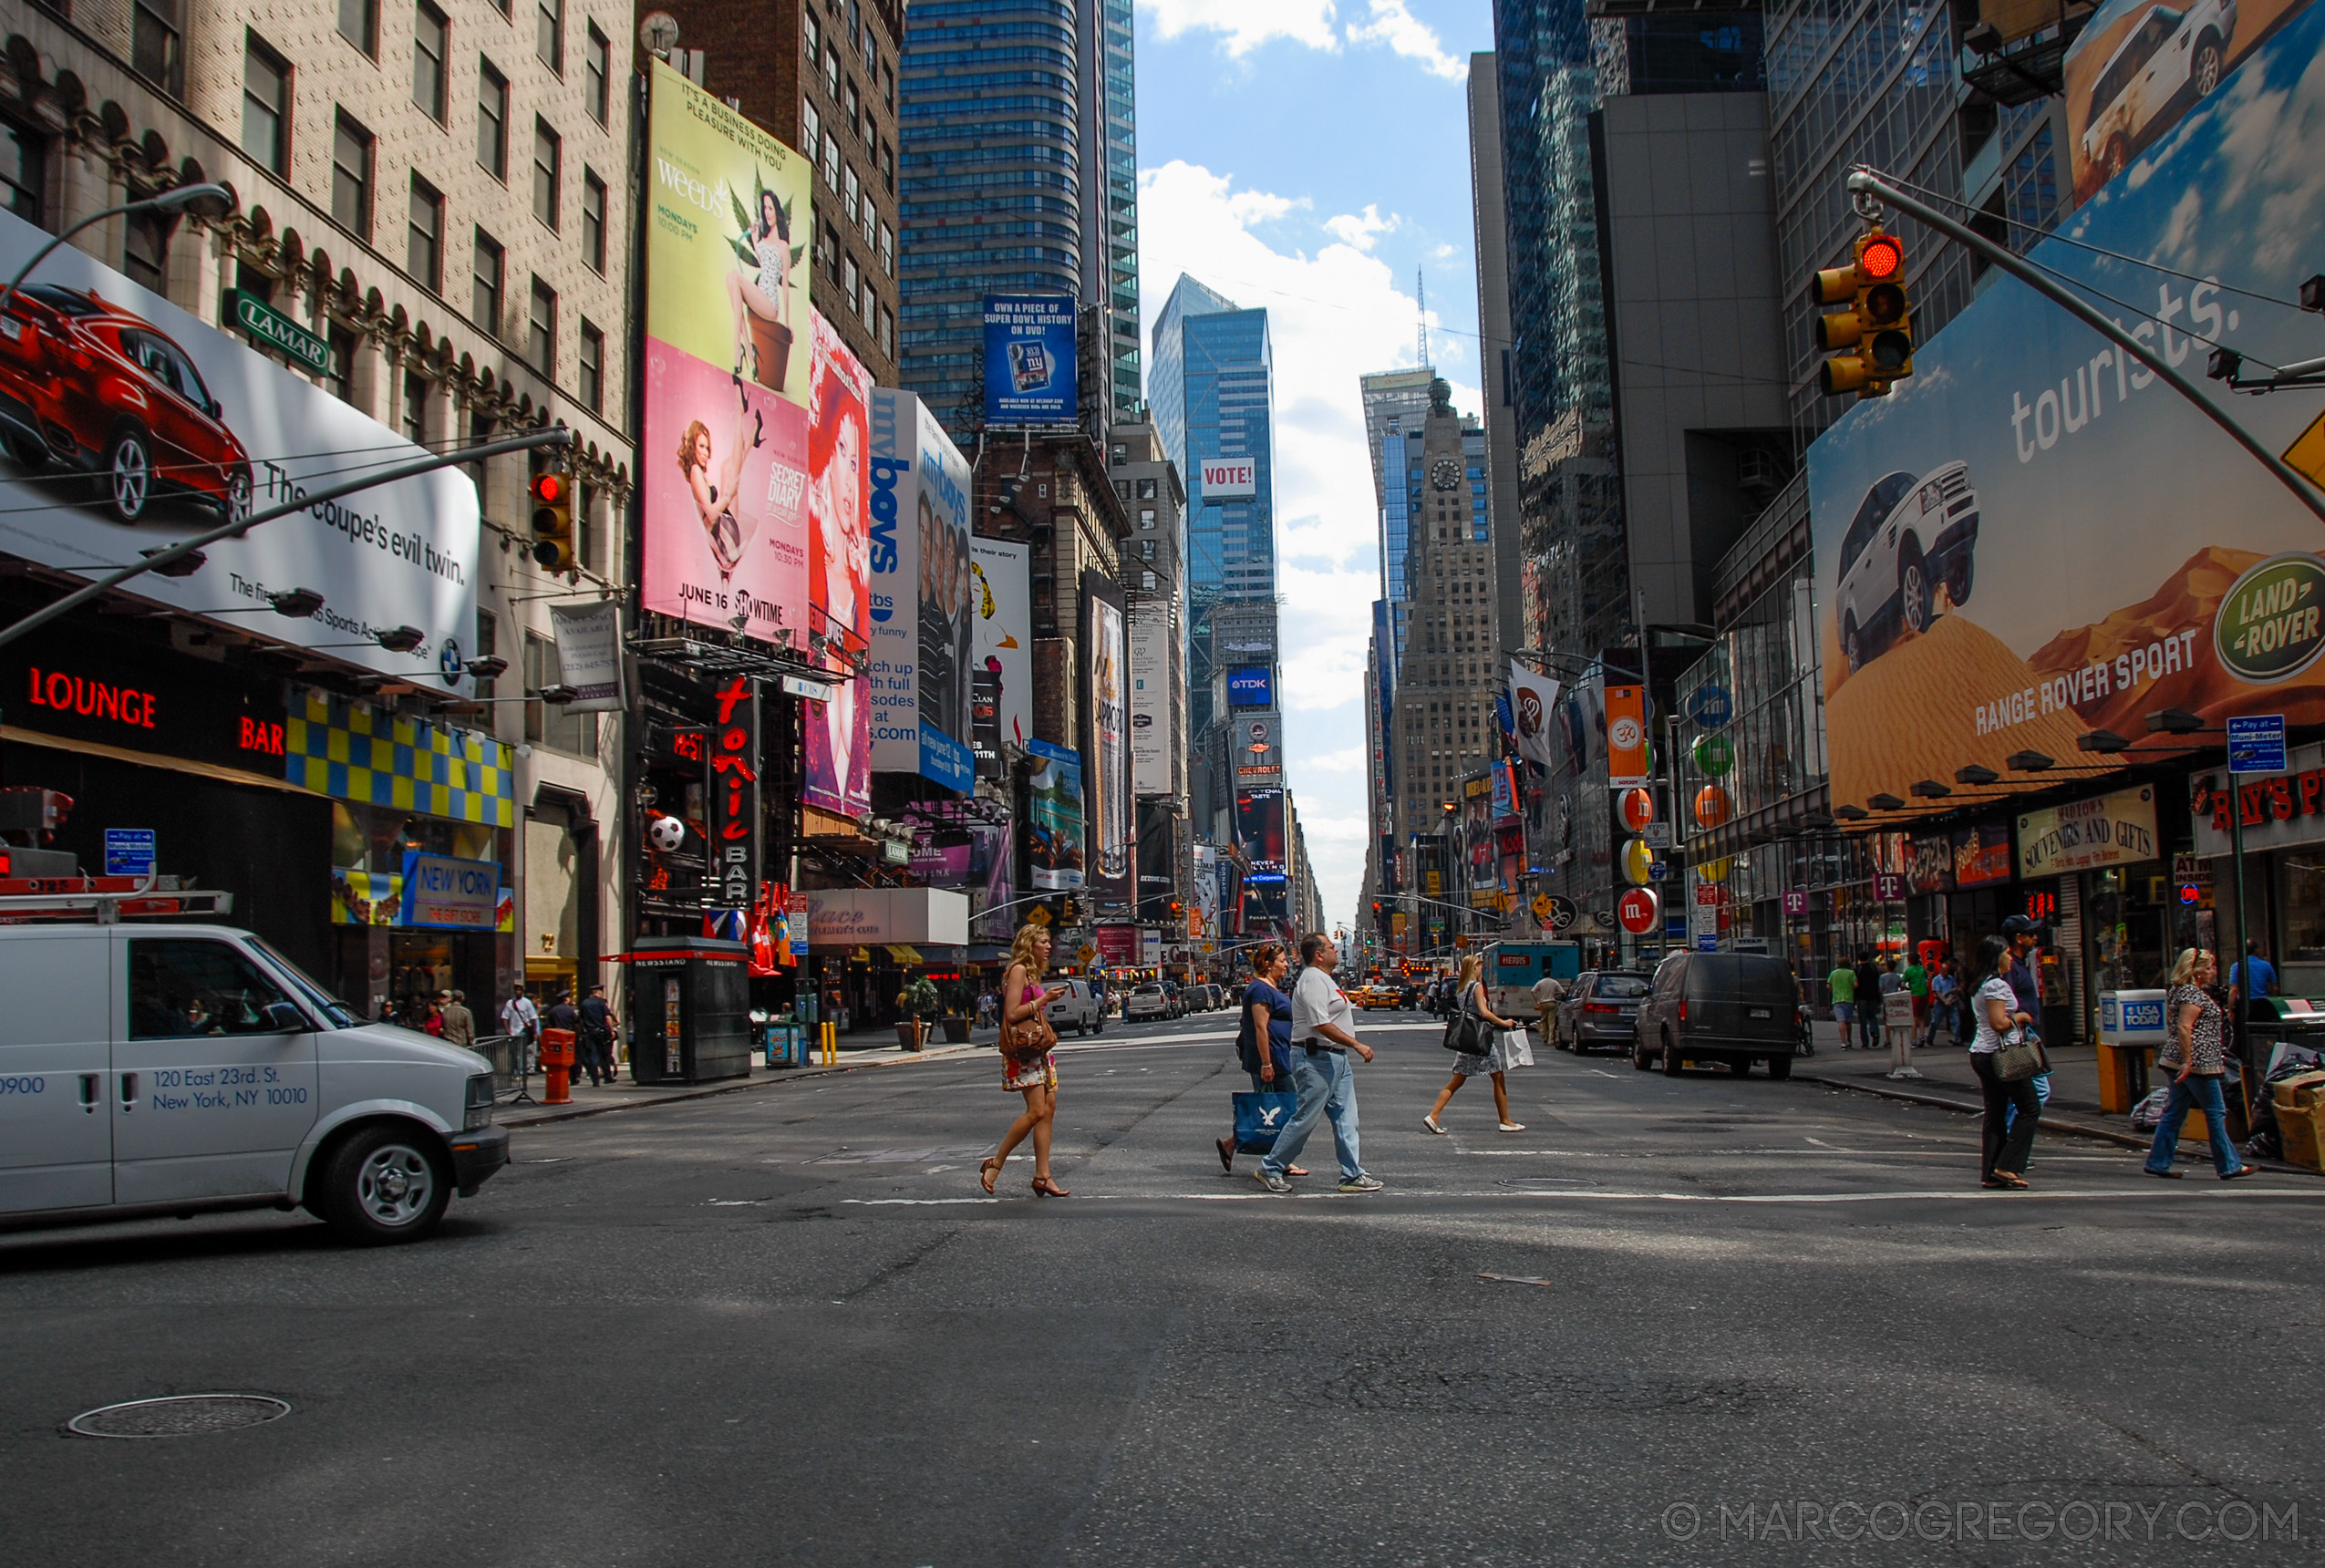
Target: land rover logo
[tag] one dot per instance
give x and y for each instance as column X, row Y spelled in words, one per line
column 2269, row 628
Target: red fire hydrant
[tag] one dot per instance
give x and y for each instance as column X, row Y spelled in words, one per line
column 557, row 1066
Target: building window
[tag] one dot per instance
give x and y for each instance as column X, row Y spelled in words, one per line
column 266, row 106
column 814, row 32
column 592, row 219
column 589, row 543
column 1146, row 489
column 810, row 122
column 593, row 367
column 851, row 190
column 597, row 66
column 540, row 329
column 157, row 45
column 424, row 253
column 491, row 262
column 830, row 162
column 488, row 642
column 351, row 148
column 340, row 378
column 888, row 250
column 831, row 75
column 887, row 160
column 549, row 35
column 1146, row 550
column 24, row 173
column 492, row 121
column 359, row 24
column 431, row 35
column 547, row 725
column 887, row 333
column 548, row 156
column 145, row 250
column 411, row 417
column 855, row 111
column 851, row 279
column 831, row 251
column 1146, row 581
column 1146, row 517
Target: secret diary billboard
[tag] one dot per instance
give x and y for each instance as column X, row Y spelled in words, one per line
column 837, row 733
column 2032, row 538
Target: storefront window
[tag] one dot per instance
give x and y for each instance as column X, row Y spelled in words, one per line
column 382, row 968
column 2300, row 904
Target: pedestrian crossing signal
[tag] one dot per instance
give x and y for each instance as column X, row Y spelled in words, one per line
column 1871, row 342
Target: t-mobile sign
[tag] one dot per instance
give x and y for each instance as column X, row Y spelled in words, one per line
column 1225, row 479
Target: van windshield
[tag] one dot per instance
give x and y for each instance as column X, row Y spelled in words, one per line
column 1741, row 977
column 337, row 1013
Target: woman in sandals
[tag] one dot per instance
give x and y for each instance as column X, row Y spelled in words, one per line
column 1035, row 1077
column 1267, row 1016
column 2013, row 1106
column 1469, row 993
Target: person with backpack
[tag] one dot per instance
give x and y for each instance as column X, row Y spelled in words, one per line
column 1467, row 1065
column 1267, row 1014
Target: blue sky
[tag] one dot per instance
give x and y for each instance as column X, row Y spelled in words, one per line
column 1308, row 157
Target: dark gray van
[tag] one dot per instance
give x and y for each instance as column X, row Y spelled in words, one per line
column 1731, row 1007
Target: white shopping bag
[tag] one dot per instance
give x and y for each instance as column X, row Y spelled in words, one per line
column 1516, row 1051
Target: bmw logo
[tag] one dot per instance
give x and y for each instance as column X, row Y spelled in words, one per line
column 449, row 661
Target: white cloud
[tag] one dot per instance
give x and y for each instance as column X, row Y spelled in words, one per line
column 1363, row 229
column 1392, row 24
column 1334, row 313
column 1245, row 24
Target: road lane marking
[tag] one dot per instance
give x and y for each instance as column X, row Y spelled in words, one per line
column 1514, row 1279
column 1938, row 1194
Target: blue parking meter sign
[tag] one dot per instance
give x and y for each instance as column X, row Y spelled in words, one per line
column 2257, row 744
column 128, row 852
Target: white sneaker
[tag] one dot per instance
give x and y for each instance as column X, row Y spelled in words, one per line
column 1431, row 1123
column 1514, row 1127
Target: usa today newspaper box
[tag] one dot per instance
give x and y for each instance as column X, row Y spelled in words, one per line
column 689, row 1009
column 2131, row 1025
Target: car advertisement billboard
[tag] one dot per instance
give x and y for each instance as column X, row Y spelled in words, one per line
column 1030, row 364
column 1001, row 650
column 837, row 734
column 729, row 363
column 1251, row 686
column 1256, row 743
column 2138, row 65
column 2032, row 538
column 128, row 425
column 1106, row 648
column 1152, row 623
column 918, row 677
column 1054, row 818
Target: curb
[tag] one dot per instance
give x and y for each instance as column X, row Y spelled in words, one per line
column 2048, row 1123
column 793, row 1076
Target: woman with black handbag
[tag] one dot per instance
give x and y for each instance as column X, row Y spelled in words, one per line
column 1467, row 1034
column 2006, row 1063
column 1026, row 1066
column 1267, row 1015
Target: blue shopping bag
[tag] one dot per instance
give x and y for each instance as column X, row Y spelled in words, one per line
column 1260, row 1117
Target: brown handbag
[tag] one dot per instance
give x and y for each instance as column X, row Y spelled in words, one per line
column 1028, row 1038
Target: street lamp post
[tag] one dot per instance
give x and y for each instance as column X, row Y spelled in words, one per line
column 169, row 200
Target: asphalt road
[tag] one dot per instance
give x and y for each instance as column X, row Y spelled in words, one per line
column 1708, row 1319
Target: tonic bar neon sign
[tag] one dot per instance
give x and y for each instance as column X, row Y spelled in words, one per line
column 92, row 699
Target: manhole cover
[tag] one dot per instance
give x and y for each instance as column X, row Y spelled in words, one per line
column 183, row 1415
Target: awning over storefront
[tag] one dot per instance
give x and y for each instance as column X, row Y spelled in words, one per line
column 882, row 916
column 903, row 953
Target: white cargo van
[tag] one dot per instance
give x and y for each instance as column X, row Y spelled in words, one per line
column 155, row 1069
column 1079, row 1009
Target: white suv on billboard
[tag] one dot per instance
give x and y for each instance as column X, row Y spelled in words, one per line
column 1909, row 536
column 2172, row 50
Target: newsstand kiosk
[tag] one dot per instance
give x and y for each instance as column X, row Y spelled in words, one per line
column 689, row 1009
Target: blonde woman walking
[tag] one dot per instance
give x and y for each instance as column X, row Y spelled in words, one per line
column 1467, row 1065
column 1032, row 1073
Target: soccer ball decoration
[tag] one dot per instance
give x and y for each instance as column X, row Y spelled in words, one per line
column 667, row 834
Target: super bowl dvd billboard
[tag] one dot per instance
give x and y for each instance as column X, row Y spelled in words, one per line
column 128, row 425
column 837, row 734
column 1030, row 368
column 2032, row 538
column 918, row 677
column 729, row 367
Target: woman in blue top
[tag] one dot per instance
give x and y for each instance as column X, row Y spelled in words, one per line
column 1268, row 1013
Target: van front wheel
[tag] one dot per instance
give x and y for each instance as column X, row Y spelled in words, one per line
column 382, row 1186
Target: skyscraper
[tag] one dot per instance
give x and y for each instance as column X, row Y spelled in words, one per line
column 1018, row 163
column 1395, row 402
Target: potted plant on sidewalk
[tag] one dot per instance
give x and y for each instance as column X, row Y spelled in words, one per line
column 956, row 1005
column 917, row 1003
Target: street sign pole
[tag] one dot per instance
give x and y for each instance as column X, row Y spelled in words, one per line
column 2256, row 745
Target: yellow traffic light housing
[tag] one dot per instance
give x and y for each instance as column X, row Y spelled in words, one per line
column 1872, row 342
column 553, row 521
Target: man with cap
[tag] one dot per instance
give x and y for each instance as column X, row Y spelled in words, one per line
column 460, row 1023
column 2025, row 937
column 597, row 1023
column 520, row 1021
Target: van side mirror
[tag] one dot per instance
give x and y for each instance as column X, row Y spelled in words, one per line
column 282, row 1019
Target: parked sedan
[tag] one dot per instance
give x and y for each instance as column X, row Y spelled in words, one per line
column 89, row 387
column 1601, row 1010
column 1149, row 1001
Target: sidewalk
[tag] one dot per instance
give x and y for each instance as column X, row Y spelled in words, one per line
column 590, row 1099
column 1946, row 1080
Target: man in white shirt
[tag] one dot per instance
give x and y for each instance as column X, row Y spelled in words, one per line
column 1323, row 1023
column 520, row 1020
column 1547, row 995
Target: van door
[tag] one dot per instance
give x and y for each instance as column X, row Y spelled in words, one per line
column 56, row 1040
column 214, row 1072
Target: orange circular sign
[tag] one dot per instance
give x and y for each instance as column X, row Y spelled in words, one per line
column 1639, row 808
column 1712, row 807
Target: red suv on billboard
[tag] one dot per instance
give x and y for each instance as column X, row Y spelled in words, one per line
column 86, row 386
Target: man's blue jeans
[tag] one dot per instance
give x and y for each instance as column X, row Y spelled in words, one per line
column 1327, row 1087
column 2195, row 1091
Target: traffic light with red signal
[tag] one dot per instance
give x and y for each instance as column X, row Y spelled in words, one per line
column 1871, row 342
column 552, row 520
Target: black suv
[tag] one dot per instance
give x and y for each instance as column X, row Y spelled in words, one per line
column 1731, row 1007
